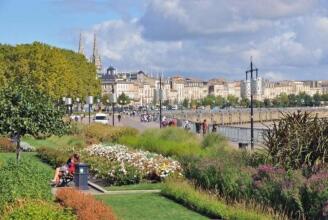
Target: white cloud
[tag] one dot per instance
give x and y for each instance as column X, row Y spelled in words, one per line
column 275, row 76
column 207, row 37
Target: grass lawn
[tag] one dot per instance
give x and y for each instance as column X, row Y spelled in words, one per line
column 54, row 141
column 148, row 207
column 32, row 155
column 140, row 186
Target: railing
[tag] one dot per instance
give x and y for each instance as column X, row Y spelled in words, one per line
column 234, row 133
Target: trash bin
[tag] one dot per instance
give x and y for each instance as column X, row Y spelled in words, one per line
column 81, row 176
column 242, row 145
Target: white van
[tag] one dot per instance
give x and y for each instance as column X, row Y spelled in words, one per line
column 101, row 118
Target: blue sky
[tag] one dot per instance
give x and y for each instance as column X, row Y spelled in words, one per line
column 288, row 39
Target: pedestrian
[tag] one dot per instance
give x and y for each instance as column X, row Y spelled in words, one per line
column 187, row 126
column 119, row 117
column 198, row 127
column 214, row 128
column 205, row 127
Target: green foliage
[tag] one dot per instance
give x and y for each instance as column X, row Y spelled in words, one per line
column 36, row 210
column 56, row 72
column 223, row 174
column 279, row 189
column 168, row 141
column 244, row 102
column 315, row 195
column 185, row 103
column 123, row 99
column 298, row 140
column 25, row 110
column 232, row 100
column 26, row 179
column 212, row 140
column 54, row 157
column 208, row 204
column 97, row 132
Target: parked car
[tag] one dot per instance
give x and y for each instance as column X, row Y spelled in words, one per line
column 101, row 118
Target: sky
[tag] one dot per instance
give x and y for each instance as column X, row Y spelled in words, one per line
column 204, row 39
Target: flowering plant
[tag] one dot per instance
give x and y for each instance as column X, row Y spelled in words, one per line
column 149, row 165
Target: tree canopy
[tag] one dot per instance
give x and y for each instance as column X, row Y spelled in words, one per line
column 25, row 110
column 123, row 99
column 54, row 71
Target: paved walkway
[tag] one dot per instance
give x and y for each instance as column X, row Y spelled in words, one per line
column 95, row 189
column 135, row 122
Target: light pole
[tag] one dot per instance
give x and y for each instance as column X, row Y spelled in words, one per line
column 90, row 102
column 107, row 105
column 77, row 104
column 113, row 100
column 251, row 92
column 160, row 102
column 68, row 103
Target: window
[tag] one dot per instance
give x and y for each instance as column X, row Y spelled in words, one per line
column 100, row 117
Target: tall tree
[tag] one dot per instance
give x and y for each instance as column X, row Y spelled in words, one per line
column 123, row 99
column 25, row 110
column 56, row 72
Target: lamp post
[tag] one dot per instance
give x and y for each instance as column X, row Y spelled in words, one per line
column 160, row 102
column 251, row 93
column 90, row 102
column 77, row 104
column 113, row 100
column 68, row 103
column 107, row 105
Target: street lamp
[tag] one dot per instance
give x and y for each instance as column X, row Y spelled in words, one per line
column 77, row 104
column 90, row 103
column 113, row 101
column 107, row 105
column 68, row 103
column 160, row 102
column 98, row 104
column 251, row 93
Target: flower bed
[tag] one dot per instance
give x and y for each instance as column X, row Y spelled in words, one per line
column 149, row 165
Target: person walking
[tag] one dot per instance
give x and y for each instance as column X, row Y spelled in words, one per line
column 119, row 117
column 214, row 128
column 205, row 127
column 187, row 125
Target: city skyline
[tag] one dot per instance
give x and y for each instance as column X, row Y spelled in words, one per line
column 287, row 39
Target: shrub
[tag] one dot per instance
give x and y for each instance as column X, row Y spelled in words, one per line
column 208, row 204
column 279, row 189
column 36, row 209
column 214, row 140
column 167, row 141
column 84, row 205
column 97, row 132
column 315, row 196
column 298, row 140
column 225, row 178
column 52, row 156
column 26, row 179
column 6, row 145
column 76, row 128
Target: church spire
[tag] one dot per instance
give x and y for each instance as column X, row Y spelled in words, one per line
column 95, row 56
column 81, row 45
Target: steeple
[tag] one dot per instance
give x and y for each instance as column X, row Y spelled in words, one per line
column 81, row 45
column 95, row 56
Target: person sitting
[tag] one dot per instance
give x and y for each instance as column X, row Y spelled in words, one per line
column 69, row 167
